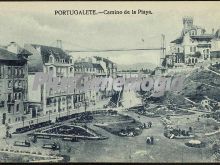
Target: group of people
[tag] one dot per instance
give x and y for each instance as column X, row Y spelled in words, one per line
column 150, row 140
column 149, row 125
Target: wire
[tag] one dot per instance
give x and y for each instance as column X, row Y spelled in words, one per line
column 115, row 50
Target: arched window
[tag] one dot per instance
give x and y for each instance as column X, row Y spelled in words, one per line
column 51, row 59
column 189, row 61
column 19, row 96
column 17, row 107
column 178, row 50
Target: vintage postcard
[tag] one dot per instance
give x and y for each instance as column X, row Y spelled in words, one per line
column 109, row 81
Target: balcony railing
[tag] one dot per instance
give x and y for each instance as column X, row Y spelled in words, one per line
column 11, row 101
column 18, row 89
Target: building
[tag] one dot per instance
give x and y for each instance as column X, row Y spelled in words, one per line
column 14, row 83
column 110, row 67
column 57, row 62
column 90, row 66
column 215, row 52
column 193, row 45
column 93, row 67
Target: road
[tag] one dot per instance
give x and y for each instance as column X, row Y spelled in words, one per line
column 134, row 149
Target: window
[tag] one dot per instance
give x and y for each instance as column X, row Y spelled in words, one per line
column 194, row 49
column 9, row 108
column 9, row 71
column 20, row 96
column 1, row 71
column 207, row 50
column 17, row 107
column 9, row 84
column 22, row 71
column 51, row 59
column 71, row 70
column 16, row 71
column 178, row 50
column 9, row 97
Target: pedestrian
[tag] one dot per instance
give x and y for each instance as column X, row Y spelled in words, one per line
column 148, row 140
column 144, row 125
column 152, row 140
column 149, row 124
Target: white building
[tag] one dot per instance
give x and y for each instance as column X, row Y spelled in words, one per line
column 57, row 62
column 193, row 45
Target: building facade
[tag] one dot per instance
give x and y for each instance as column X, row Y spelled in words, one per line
column 56, row 62
column 93, row 67
column 193, row 46
column 14, row 84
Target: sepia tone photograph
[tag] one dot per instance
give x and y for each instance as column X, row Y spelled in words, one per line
column 129, row 82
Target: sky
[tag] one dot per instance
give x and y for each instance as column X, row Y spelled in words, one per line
column 35, row 22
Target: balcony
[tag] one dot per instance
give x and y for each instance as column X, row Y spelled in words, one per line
column 18, row 89
column 59, row 74
column 11, row 101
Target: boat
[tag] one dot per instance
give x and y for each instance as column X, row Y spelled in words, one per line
column 43, row 137
column 22, row 144
column 72, row 139
column 52, row 146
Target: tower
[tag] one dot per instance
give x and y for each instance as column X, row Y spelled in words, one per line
column 187, row 22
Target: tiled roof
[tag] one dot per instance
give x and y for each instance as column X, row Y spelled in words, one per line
column 87, row 65
column 204, row 45
column 24, row 52
column 46, row 51
column 6, row 55
column 202, row 37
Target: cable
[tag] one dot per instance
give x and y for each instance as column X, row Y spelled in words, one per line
column 115, row 50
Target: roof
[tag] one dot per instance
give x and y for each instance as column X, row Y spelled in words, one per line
column 206, row 37
column 215, row 54
column 46, row 51
column 6, row 55
column 87, row 65
column 204, row 45
column 178, row 40
column 24, row 52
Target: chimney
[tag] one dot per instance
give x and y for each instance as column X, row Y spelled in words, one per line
column 59, row 44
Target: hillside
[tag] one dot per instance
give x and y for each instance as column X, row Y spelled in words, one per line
column 202, row 83
column 199, row 85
